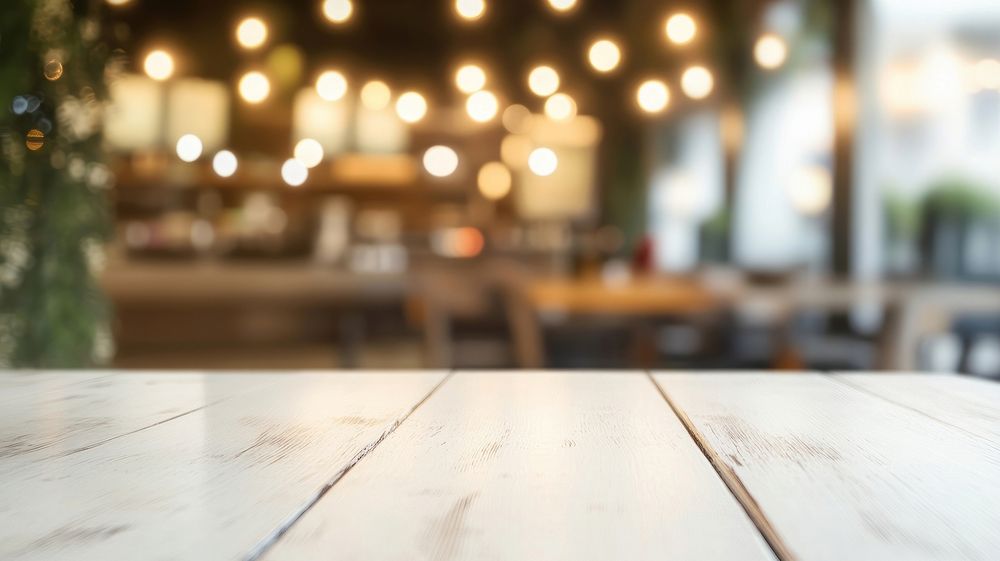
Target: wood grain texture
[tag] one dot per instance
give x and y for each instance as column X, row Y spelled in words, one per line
column 963, row 402
column 524, row 466
column 841, row 474
column 209, row 485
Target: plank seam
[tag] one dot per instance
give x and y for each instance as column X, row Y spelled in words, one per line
column 269, row 541
column 730, row 479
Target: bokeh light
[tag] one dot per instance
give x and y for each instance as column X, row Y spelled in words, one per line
column 986, row 74
column 482, row 106
column 697, row 82
column 515, row 150
column 53, row 70
column 560, row 107
column 770, row 51
column 34, row 140
column 470, row 78
column 118, row 2
column 653, row 96
column 543, row 162
column 515, row 118
column 470, row 10
column 309, row 152
column 440, row 161
column 562, row 5
column 294, row 173
column 251, row 33
column 225, row 163
column 338, row 11
column 376, row 95
column 189, row 148
column 494, row 181
column 543, row 81
column 159, row 65
column 604, row 55
column 331, row 85
column 254, row 87
column 681, row 29
column 811, row 190
column 411, row 107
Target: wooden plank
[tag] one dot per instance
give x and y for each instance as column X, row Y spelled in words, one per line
column 522, row 466
column 209, row 485
column 60, row 413
column 836, row 473
column 966, row 403
column 17, row 385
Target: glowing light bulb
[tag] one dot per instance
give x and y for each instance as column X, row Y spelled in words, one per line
column 338, row 11
column 411, row 107
column 543, row 81
column 494, row 181
column 482, row 106
column 697, row 82
column 681, row 29
column 189, row 148
column 294, row 172
column 254, row 87
column 225, row 163
column 470, row 78
column 159, row 65
column 543, row 162
column 770, row 51
column 376, row 95
column 604, row 55
column 251, row 33
column 331, row 85
column 653, row 96
column 560, row 107
column 562, row 5
column 309, row 152
column 470, row 10
column 440, row 161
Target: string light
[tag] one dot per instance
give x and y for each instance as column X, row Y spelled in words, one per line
column 697, row 82
column 331, row 85
column 159, row 65
column 770, row 51
column 254, row 87
column 440, row 161
column 470, row 10
column 562, row 5
column 482, row 106
column 376, row 95
column 225, row 163
column 309, row 152
column 494, row 181
column 294, row 173
column 411, row 107
column 681, row 29
column 560, row 107
column 653, row 96
column 543, row 162
column 251, row 33
column 604, row 55
column 338, row 11
column 543, row 81
column 189, row 148
column 470, row 78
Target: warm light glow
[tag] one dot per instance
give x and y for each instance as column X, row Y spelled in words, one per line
column 482, row 106
column 811, row 189
column 294, row 173
column 543, row 162
column 653, row 96
column 562, row 5
column 309, row 152
column 515, row 118
column 254, row 87
column 560, row 107
column 251, row 33
column 376, row 95
column 986, row 74
column 681, row 29
column 189, row 148
column 494, row 181
column 543, row 81
column 697, row 82
column 470, row 10
column 159, row 65
column 604, row 55
column 440, row 161
column 338, row 11
column 225, row 163
column 118, row 2
column 470, row 78
column 770, row 51
column 411, row 107
column 331, row 85
column 514, row 151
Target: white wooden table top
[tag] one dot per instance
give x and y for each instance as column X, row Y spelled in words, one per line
column 498, row 466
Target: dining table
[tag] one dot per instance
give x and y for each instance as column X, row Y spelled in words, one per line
column 498, row 465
